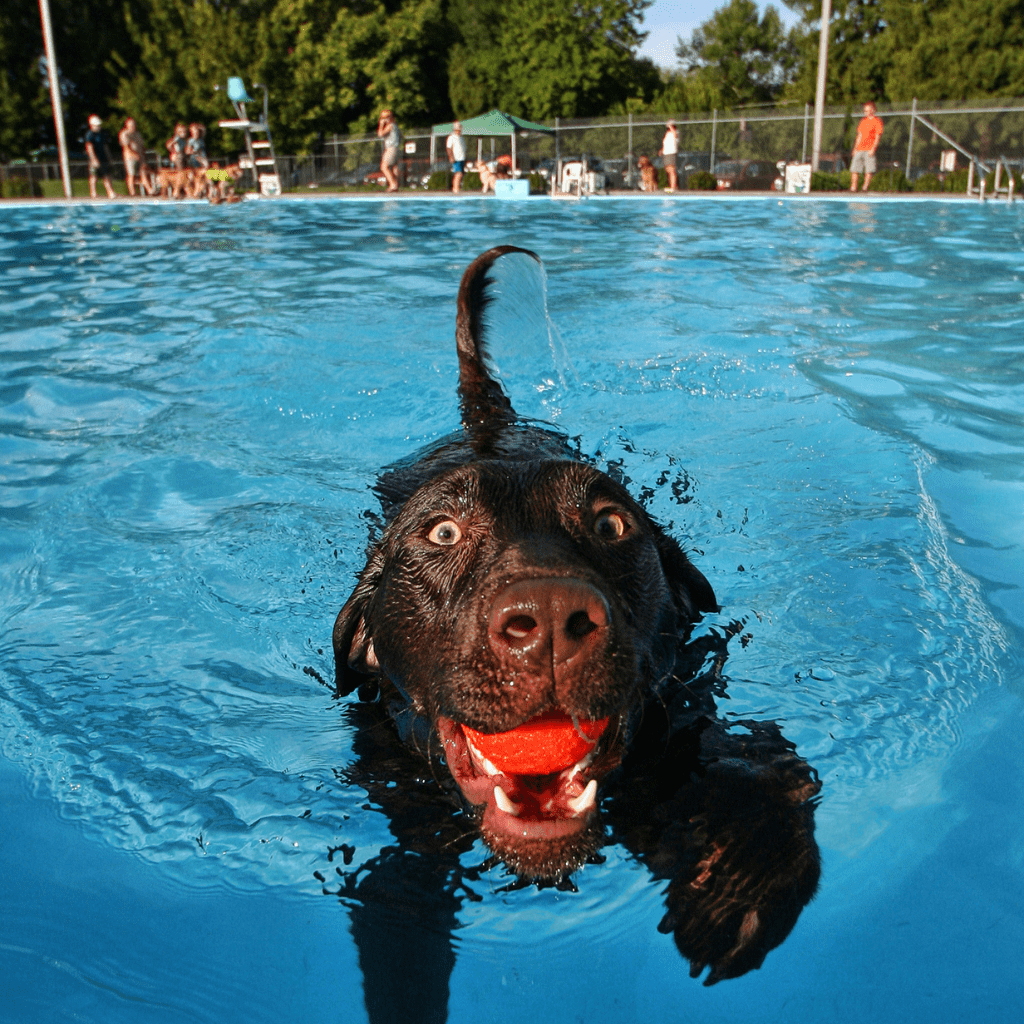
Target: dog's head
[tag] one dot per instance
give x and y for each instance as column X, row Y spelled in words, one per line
column 504, row 591
column 521, row 602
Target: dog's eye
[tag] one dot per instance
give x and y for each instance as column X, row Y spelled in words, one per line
column 611, row 526
column 445, row 534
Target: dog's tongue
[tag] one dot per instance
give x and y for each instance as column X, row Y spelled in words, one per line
column 546, row 744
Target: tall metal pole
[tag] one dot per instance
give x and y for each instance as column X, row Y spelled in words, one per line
column 58, row 110
column 910, row 140
column 714, row 132
column 819, row 92
column 629, row 148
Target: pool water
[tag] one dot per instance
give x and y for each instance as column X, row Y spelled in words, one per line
column 825, row 401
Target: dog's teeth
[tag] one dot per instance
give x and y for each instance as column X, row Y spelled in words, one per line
column 503, row 802
column 480, row 761
column 586, row 799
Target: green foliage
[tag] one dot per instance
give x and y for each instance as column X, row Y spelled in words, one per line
column 329, row 65
column 21, row 188
column 955, row 49
column 824, row 181
column 24, row 99
column 898, row 49
column 538, row 186
column 92, row 45
column 681, row 94
column 471, row 182
column 928, row 183
column 439, row 181
column 990, row 182
column 859, row 51
column 956, row 182
column 542, row 60
column 738, row 56
column 890, row 179
column 703, row 181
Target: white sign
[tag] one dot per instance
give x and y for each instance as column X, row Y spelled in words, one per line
column 410, row 147
column 798, row 178
column 270, row 185
column 947, row 162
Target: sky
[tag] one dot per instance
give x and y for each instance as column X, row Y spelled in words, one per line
column 667, row 19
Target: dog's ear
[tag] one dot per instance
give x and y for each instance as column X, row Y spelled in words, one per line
column 355, row 662
column 690, row 589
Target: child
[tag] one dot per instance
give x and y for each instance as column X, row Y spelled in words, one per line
column 176, row 146
column 195, row 147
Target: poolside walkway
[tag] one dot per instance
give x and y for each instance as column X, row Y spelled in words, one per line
column 421, row 195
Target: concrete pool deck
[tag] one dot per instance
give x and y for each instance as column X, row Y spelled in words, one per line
column 412, row 195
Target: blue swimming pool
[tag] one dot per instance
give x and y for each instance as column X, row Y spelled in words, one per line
column 193, row 404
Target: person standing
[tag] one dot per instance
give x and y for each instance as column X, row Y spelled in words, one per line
column 99, row 156
column 669, row 149
column 133, row 151
column 195, row 148
column 387, row 129
column 869, row 133
column 176, row 146
column 456, row 146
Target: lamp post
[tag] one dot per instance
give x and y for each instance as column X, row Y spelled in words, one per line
column 58, row 111
column 819, row 92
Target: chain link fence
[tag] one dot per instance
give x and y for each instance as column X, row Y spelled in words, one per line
column 924, row 145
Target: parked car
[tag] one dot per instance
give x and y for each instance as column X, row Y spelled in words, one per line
column 51, row 155
column 616, row 172
column 749, row 175
column 833, row 163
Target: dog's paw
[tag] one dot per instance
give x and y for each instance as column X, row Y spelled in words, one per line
column 747, row 864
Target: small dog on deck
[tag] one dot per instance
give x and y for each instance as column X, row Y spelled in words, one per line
column 648, row 174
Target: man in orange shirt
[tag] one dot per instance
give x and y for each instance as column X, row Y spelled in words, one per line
column 869, row 133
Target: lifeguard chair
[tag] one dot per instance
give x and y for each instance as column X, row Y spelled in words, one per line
column 261, row 161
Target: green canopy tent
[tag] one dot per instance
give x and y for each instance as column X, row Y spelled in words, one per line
column 494, row 122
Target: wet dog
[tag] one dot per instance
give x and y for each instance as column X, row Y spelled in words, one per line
column 514, row 586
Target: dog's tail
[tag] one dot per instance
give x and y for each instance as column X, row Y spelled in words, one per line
column 484, row 402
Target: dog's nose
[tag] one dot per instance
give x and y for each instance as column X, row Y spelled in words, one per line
column 548, row 621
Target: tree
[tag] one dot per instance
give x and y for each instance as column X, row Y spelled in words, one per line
column 859, row 55
column 738, row 56
column 955, row 49
column 92, row 44
column 24, row 101
column 542, row 60
column 329, row 65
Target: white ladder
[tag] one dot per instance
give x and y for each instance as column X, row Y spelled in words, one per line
column 262, row 159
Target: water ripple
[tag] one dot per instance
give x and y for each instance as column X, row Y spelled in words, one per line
column 825, row 402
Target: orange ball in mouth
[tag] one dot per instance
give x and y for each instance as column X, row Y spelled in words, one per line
column 544, row 745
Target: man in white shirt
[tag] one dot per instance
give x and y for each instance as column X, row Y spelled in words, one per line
column 456, row 146
column 669, row 149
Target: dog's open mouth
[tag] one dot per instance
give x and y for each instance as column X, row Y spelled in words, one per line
column 536, row 783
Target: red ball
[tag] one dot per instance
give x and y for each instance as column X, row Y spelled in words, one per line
column 542, row 746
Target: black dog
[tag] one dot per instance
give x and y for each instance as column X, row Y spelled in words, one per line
column 512, row 579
